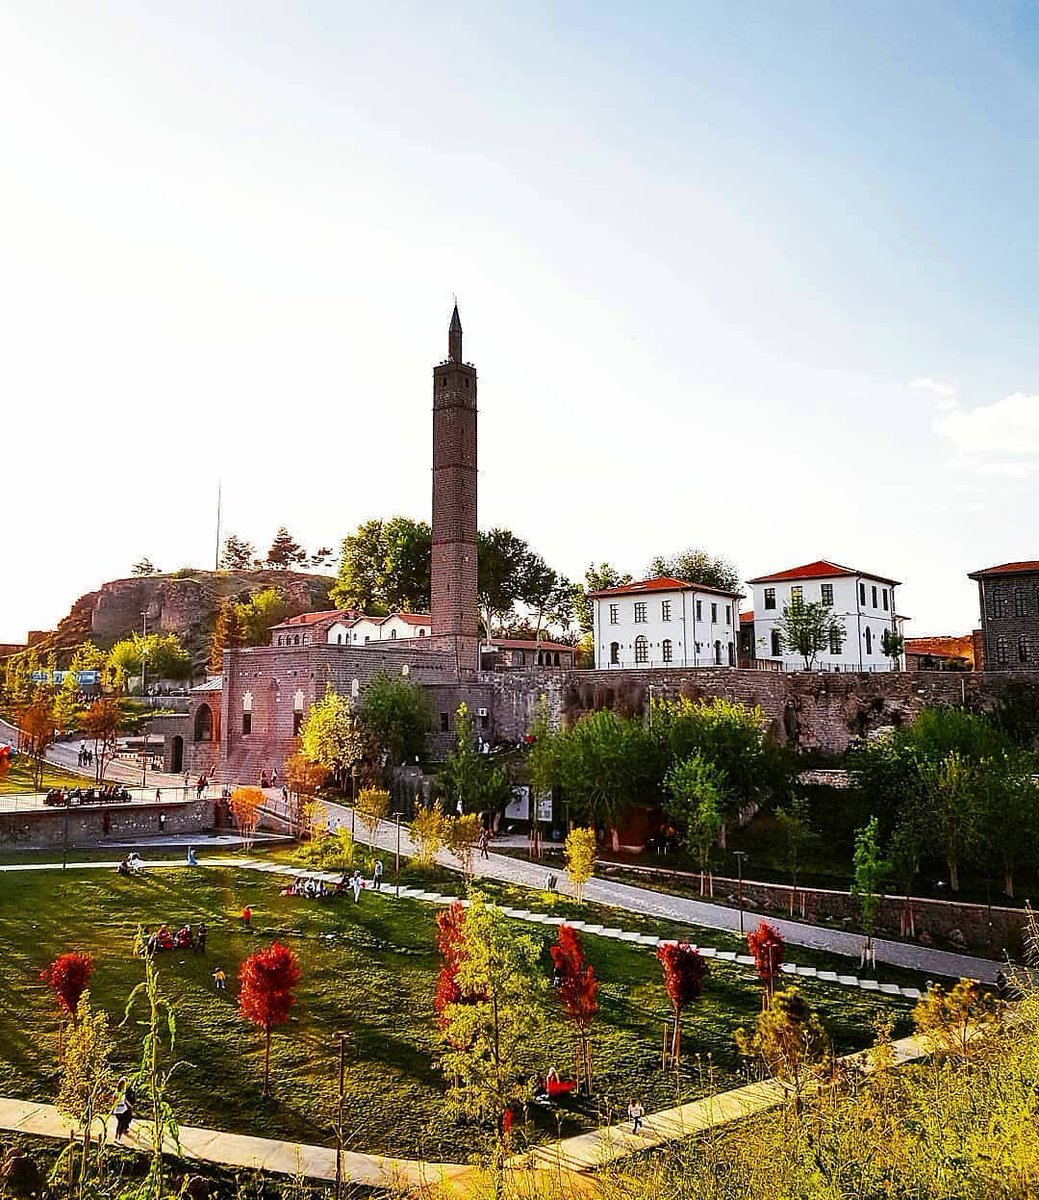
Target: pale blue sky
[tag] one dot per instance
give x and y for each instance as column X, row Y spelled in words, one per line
column 759, row 277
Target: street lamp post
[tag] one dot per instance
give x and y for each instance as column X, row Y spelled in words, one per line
column 739, row 856
column 397, row 865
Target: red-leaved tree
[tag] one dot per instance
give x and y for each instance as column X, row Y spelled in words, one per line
column 767, row 945
column 578, row 993
column 451, row 944
column 685, row 973
column 268, row 978
column 68, row 977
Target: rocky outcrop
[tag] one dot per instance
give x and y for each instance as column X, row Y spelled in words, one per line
column 184, row 603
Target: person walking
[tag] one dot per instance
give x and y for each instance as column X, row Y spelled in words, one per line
column 247, row 917
column 220, row 979
column 485, row 838
column 356, row 884
column 636, row 1112
column 200, row 937
column 123, row 1110
column 377, row 875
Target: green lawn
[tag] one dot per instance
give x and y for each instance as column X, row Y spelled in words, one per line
column 368, row 969
column 19, row 778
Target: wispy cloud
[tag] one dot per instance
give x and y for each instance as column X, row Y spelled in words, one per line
column 1000, row 437
column 943, row 392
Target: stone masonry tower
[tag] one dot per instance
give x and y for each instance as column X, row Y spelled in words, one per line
column 455, row 608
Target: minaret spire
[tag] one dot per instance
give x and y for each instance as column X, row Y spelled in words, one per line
column 454, row 337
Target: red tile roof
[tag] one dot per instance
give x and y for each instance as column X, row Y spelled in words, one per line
column 1010, row 568
column 662, row 583
column 821, row 569
column 414, row 618
column 942, row 647
column 312, row 618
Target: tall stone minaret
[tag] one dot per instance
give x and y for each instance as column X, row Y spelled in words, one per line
column 455, row 608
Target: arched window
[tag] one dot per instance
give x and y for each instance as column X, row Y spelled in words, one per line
column 295, row 640
column 422, row 633
column 247, row 713
column 665, row 649
column 869, row 640
column 1023, row 649
column 279, row 639
column 1001, row 650
column 393, row 633
column 641, row 649
column 555, row 658
column 204, row 724
column 615, row 654
column 339, row 639
column 777, row 646
column 355, row 689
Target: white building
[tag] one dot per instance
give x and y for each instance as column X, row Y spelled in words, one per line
column 665, row 622
column 863, row 603
column 361, row 630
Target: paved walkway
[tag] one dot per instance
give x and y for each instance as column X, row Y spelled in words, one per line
column 926, row 960
column 569, row 1160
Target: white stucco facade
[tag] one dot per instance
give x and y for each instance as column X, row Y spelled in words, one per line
column 665, row 623
column 362, row 630
column 864, row 604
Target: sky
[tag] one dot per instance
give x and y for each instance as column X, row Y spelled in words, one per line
column 759, row 278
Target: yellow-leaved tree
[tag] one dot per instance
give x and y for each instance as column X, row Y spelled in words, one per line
column 373, row 806
column 580, row 858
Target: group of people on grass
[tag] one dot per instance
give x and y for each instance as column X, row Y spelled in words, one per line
column 312, row 888
column 184, row 938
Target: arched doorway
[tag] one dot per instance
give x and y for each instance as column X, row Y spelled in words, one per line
column 177, row 755
column 204, row 724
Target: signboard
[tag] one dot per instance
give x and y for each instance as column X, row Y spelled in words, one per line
column 518, row 808
column 544, row 804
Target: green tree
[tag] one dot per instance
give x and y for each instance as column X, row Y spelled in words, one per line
column 502, row 559
column 596, row 578
column 807, row 629
column 385, row 566
column 955, row 1021
column 954, row 787
column 870, row 871
column 237, row 554
column 607, row 764
column 795, row 822
column 1009, row 813
column 695, row 796
column 696, row 565
column 752, row 769
column 67, row 707
column 893, row 644
column 285, row 551
column 260, row 613
column 395, row 716
column 485, row 1032
column 472, row 782
column 330, row 735
column 548, row 595
column 161, row 653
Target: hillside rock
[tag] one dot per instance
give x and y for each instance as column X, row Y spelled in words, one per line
column 184, row 603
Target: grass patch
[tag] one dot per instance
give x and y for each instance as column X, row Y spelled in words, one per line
column 19, row 778
column 369, row 969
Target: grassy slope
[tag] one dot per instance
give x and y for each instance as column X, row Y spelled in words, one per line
column 19, row 778
column 368, row 969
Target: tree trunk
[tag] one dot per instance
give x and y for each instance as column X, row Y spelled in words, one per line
column 267, row 1064
column 1008, row 880
column 954, row 874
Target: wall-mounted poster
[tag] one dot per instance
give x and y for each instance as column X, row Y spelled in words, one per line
column 518, row 808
